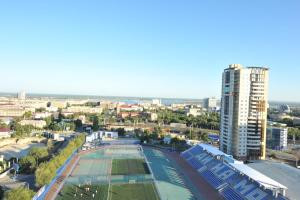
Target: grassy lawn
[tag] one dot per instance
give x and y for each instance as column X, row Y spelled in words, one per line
column 129, row 167
column 68, row 192
column 141, row 191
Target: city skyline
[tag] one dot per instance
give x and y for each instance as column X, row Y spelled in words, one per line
column 146, row 49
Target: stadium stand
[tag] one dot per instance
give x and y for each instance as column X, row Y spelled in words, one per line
column 231, row 178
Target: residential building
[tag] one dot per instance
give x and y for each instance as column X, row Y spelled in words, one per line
column 83, row 109
column 153, row 117
column 129, row 108
column 296, row 121
column 5, row 132
column 11, row 111
column 34, row 123
column 156, row 102
column 210, row 103
column 42, row 115
column 277, row 138
column 22, row 95
column 244, row 112
column 193, row 111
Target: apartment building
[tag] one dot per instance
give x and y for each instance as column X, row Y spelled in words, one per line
column 244, row 112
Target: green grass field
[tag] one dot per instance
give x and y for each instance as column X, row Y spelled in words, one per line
column 129, row 167
column 143, row 191
column 73, row 192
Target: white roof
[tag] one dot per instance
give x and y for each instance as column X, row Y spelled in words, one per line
column 212, row 150
column 257, row 176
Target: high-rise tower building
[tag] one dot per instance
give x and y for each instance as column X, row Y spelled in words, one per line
column 244, row 112
column 22, row 95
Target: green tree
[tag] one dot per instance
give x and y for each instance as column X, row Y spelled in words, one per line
column 20, row 193
column 121, row 131
column 1, row 192
column 95, row 120
column 27, row 115
column 22, row 131
column 3, row 125
column 38, row 153
column 28, row 164
column 78, row 124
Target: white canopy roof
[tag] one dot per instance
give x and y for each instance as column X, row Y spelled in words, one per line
column 257, row 176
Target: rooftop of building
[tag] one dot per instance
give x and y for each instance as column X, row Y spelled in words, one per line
column 280, row 172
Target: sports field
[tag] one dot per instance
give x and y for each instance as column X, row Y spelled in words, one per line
column 141, row 191
column 84, row 192
column 129, row 167
column 111, row 173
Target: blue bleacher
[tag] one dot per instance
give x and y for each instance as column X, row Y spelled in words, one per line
column 186, row 155
column 196, row 150
column 195, row 163
column 280, row 197
column 193, row 157
column 229, row 194
column 212, row 179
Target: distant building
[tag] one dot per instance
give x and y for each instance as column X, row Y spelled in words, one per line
column 34, row 123
column 210, row 103
column 244, row 112
column 296, row 121
column 277, row 138
column 41, row 115
column 11, row 111
column 177, row 125
column 193, row 111
column 83, row 109
column 129, row 108
column 5, row 132
column 101, row 135
column 153, row 117
column 22, row 95
column 284, row 108
column 156, row 102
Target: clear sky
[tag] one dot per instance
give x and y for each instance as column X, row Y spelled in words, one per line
column 156, row 48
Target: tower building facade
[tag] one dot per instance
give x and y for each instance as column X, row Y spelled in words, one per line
column 244, row 112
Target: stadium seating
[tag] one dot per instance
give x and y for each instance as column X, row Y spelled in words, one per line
column 195, row 163
column 229, row 194
column 186, row 155
column 196, row 150
column 224, row 178
column 212, row 179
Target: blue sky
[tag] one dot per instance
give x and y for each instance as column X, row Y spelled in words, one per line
column 156, row 48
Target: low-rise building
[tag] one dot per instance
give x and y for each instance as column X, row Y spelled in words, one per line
column 42, row 115
column 177, row 125
column 193, row 111
column 296, row 121
column 34, row 123
column 11, row 111
column 5, row 132
column 101, row 135
column 83, row 109
column 153, row 117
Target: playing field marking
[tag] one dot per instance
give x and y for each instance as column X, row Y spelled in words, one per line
column 109, row 179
